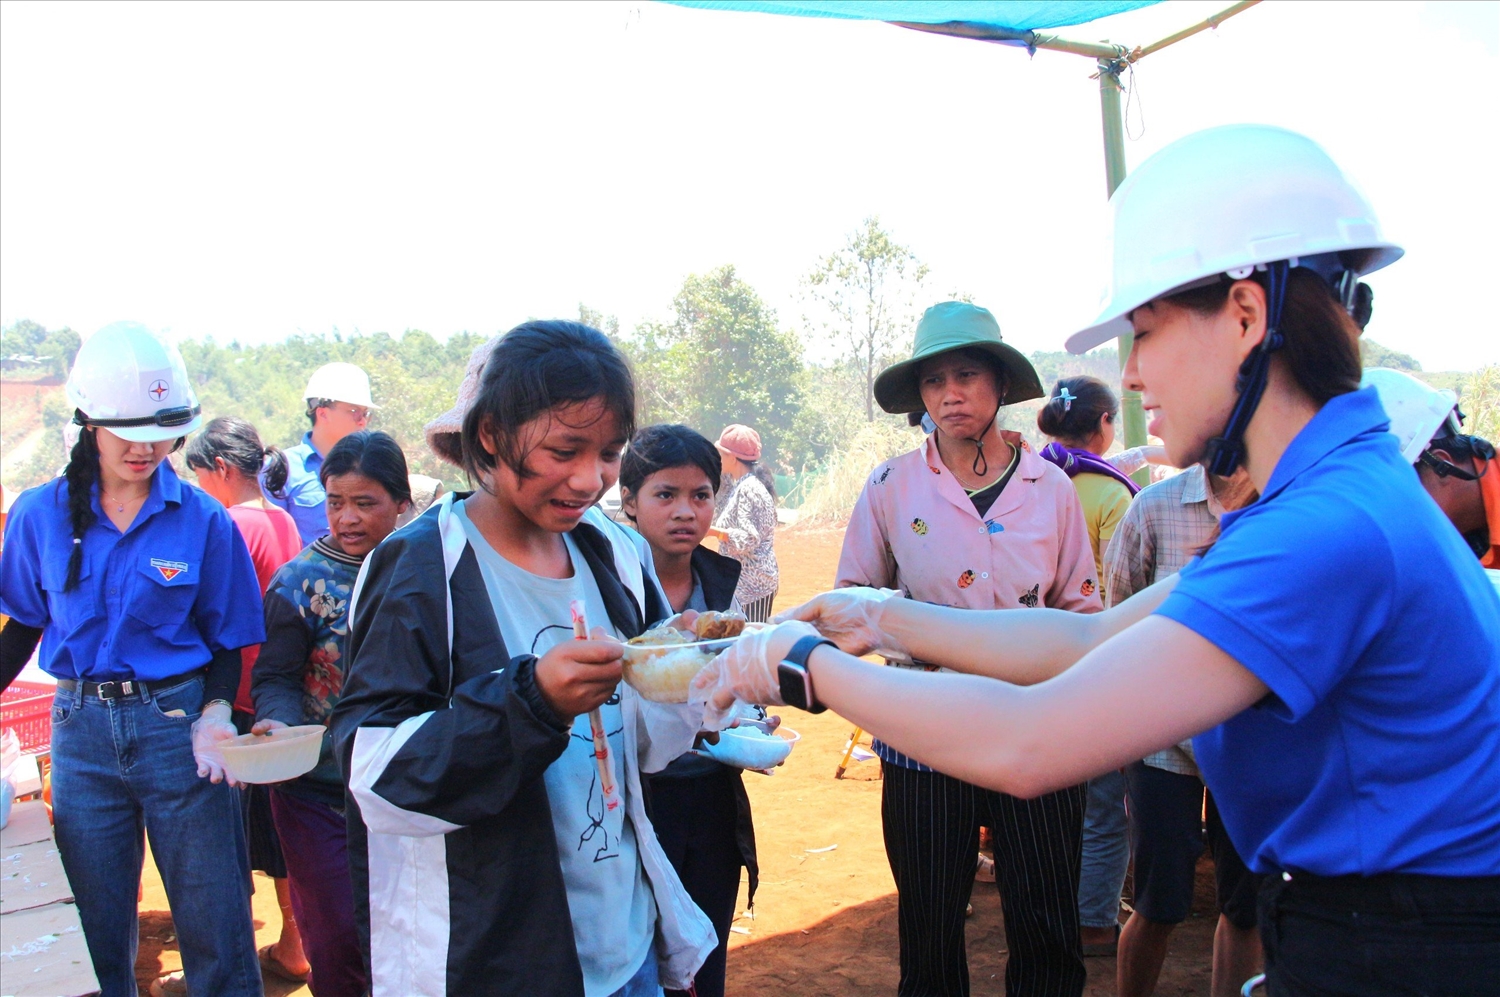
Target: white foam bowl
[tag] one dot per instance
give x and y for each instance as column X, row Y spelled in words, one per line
column 749, row 748
column 280, row 755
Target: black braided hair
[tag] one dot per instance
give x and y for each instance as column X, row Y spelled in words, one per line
column 81, row 475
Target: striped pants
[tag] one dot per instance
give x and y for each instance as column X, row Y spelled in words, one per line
column 758, row 610
column 931, row 824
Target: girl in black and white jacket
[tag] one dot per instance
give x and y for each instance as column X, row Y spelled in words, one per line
column 489, row 851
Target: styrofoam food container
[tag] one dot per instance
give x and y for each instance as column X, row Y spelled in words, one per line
column 277, row 756
column 749, row 748
column 663, row 673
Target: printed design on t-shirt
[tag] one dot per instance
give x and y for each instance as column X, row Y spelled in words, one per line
column 1088, row 587
column 919, row 527
column 168, row 569
column 883, row 475
column 994, row 526
column 966, row 579
column 1032, row 597
column 933, row 469
column 595, row 833
column 323, row 680
column 323, row 602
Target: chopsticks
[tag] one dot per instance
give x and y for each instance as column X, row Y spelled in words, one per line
column 596, row 723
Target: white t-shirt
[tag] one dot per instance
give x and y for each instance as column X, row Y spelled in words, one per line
column 613, row 910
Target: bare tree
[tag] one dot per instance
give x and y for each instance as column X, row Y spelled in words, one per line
column 868, row 291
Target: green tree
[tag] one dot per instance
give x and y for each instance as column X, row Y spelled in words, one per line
column 867, row 294
column 29, row 348
column 1372, row 354
column 721, row 359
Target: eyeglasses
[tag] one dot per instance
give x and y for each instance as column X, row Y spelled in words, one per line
column 356, row 412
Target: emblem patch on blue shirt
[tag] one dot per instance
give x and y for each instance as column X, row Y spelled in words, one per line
column 169, row 569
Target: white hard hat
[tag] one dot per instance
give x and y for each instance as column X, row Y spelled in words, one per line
column 1226, row 199
column 341, row 382
column 1416, row 409
column 132, row 382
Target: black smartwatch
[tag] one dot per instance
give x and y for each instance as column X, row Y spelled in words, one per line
column 796, row 683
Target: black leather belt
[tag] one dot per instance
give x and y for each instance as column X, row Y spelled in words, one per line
column 128, row 687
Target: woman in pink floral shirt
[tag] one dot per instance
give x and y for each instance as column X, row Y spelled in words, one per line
column 973, row 519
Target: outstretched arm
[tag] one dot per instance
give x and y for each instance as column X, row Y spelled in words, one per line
column 1019, row 740
column 1023, row 646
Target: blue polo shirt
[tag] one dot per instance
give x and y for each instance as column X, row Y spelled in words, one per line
column 303, row 497
column 155, row 601
column 1353, row 598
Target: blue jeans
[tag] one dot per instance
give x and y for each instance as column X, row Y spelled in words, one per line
column 122, row 765
column 645, row 982
column 1106, row 852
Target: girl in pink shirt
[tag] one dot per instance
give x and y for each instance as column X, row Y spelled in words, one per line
column 973, row 519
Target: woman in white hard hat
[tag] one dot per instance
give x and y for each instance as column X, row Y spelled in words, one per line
column 338, row 403
column 142, row 594
column 1336, row 651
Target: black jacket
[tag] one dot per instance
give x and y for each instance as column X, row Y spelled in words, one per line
column 452, row 750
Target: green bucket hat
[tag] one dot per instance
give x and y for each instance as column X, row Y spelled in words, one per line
column 948, row 326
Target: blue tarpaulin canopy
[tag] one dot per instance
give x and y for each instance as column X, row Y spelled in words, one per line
column 1014, row 15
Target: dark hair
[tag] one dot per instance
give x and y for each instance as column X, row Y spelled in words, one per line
column 313, row 404
column 1321, row 349
column 1463, row 447
column 373, row 454
column 81, row 474
column 237, row 444
column 535, row 368
column 761, row 473
column 662, row 447
column 1076, row 418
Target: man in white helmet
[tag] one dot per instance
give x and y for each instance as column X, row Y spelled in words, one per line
column 338, row 403
column 1454, row 466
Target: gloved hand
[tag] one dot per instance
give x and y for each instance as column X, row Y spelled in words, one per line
column 746, row 671
column 849, row 617
column 211, row 727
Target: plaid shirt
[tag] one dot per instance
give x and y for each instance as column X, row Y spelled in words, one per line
column 1161, row 532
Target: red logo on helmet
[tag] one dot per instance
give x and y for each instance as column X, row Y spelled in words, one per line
column 159, row 389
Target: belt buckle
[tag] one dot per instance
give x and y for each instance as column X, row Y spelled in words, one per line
column 116, row 690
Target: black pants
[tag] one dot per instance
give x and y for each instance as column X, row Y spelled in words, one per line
column 696, row 821
column 931, row 826
column 1381, row 935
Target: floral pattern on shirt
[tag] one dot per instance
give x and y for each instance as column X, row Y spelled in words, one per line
column 318, row 583
column 749, row 519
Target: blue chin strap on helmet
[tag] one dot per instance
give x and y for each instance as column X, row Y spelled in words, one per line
column 1226, row 452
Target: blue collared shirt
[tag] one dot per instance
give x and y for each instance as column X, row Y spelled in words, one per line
column 155, row 601
column 303, row 497
column 1352, row 597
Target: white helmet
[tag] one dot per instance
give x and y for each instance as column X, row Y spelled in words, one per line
column 1417, row 410
column 341, row 382
column 1226, row 199
column 129, row 380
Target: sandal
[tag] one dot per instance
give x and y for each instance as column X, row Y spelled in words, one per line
column 270, row 964
column 984, row 871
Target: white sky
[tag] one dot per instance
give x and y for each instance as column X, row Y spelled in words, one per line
column 251, row 170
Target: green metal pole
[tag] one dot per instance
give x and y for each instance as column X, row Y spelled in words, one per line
column 1114, row 172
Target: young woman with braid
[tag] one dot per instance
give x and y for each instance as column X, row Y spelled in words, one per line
column 230, row 460
column 142, row 594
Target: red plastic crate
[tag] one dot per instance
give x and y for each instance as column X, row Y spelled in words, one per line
column 27, row 707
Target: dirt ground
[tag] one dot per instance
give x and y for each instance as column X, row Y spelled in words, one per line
column 825, row 918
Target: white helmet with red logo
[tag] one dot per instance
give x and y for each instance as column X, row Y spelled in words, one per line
column 132, row 382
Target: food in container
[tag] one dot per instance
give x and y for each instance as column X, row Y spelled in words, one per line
column 276, row 756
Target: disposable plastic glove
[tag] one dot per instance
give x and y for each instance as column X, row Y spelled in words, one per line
column 849, row 617
column 211, row 727
column 747, row 671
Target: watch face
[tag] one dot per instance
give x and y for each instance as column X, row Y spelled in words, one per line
column 793, row 682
